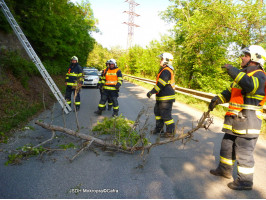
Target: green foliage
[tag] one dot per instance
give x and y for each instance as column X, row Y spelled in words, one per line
column 121, row 130
column 98, row 57
column 4, row 25
column 209, row 34
column 25, row 152
column 206, row 35
column 17, row 112
column 21, row 68
column 14, row 159
column 57, row 29
column 3, row 137
column 68, row 146
column 17, row 107
column 33, row 150
column 140, row 61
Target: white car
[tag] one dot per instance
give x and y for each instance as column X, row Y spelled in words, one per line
column 91, row 77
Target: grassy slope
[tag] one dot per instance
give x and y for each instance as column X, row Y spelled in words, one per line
column 20, row 103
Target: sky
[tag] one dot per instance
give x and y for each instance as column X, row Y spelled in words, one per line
column 111, row 17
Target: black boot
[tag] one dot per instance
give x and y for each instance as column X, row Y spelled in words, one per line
column 240, row 185
column 98, row 112
column 220, row 172
column 115, row 113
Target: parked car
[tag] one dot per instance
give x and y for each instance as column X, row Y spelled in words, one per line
column 91, row 77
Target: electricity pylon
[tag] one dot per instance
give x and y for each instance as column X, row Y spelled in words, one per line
column 131, row 14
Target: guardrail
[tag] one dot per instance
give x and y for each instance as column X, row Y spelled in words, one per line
column 197, row 94
column 194, row 93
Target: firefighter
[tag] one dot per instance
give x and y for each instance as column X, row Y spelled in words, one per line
column 165, row 96
column 74, row 80
column 111, row 82
column 100, row 86
column 242, row 122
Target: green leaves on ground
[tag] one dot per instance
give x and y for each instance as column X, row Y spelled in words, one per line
column 67, row 146
column 24, row 152
column 121, row 130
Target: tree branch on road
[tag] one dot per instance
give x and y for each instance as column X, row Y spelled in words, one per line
column 204, row 122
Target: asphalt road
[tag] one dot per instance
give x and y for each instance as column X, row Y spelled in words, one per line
column 169, row 171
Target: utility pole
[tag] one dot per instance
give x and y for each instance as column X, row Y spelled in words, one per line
column 131, row 14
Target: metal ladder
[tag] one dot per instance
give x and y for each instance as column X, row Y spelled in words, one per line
column 33, row 56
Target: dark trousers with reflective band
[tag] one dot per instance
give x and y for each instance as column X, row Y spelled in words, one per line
column 69, row 91
column 113, row 95
column 109, row 99
column 163, row 115
column 239, row 149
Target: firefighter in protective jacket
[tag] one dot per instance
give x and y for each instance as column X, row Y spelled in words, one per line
column 243, row 120
column 111, row 82
column 165, row 96
column 74, row 80
column 100, row 85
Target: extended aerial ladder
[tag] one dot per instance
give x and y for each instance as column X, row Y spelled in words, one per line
column 33, row 56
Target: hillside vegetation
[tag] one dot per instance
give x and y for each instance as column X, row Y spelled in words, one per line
column 57, row 30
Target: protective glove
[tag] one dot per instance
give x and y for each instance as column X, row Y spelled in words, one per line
column 117, row 87
column 226, row 66
column 149, row 94
column 100, row 86
column 214, row 102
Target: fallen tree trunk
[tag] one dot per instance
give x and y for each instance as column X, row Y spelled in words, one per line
column 201, row 124
column 79, row 135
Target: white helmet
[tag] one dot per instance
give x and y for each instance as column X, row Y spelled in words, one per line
column 167, row 58
column 257, row 54
column 112, row 61
column 75, row 58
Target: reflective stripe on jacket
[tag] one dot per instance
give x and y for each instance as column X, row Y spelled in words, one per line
column 244, row 116
column 236, row 103
column 171, row 82
column 74, row 74
column 102, row 77
column 112, row 78
column 165, row 84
